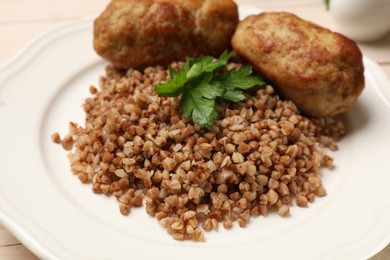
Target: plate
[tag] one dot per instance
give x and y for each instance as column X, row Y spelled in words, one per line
column 57, row 217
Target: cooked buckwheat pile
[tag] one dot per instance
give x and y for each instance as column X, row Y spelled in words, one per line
column 261, row 155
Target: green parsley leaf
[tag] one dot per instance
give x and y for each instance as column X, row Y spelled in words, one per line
column 195, row 71
column 207, row 87
column 210, row 64
column 173, row 87
column 199, row 102
column 236, row 80
column 193, row 68
column 201, row 81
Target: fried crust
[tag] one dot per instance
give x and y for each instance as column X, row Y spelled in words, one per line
column 137, row 34
column 319, row 70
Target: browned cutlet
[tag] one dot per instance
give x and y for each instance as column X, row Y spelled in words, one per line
column 319, row 70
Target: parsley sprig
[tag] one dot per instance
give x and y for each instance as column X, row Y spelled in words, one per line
column 201, row 81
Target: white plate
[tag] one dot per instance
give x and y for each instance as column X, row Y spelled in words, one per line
column 57, row 217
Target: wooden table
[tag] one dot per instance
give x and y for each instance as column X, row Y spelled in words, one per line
column 23, row 20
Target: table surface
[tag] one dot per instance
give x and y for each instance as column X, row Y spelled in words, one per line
column 21, row 21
